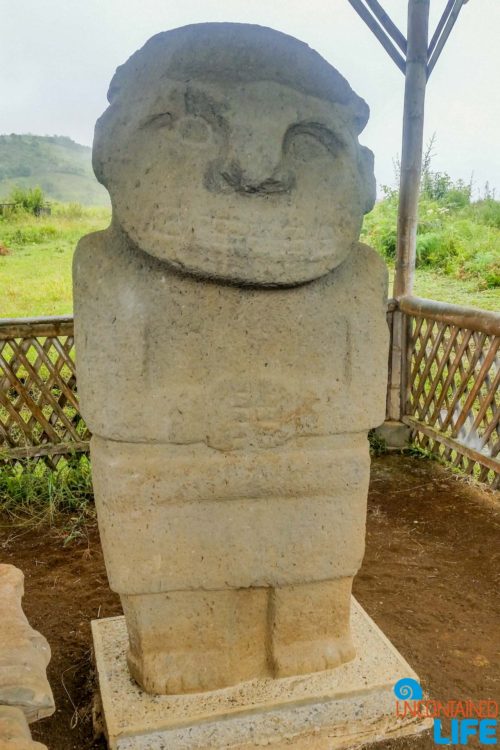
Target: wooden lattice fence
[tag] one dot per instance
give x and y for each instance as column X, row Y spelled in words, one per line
column 39, row 416
column 453, row 376
column 451, row 400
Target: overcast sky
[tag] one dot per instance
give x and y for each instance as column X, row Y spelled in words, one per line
column 57, row 58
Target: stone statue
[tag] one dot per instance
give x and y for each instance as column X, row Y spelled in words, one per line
column 232, row 355
column 25, row 694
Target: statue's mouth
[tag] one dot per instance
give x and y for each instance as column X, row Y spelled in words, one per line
column 245, row 259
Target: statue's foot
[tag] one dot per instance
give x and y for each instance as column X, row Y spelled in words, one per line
column 193, row 641
column 175, row 674
column 310, row 629
column 303, row 657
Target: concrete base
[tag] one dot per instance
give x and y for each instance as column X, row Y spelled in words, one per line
column 395, row 434
column 351, row 705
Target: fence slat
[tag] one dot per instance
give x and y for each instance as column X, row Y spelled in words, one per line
column 451, row 375
column 474, row 455
column 444, row 362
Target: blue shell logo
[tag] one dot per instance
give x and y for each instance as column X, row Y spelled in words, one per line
column 408, row 689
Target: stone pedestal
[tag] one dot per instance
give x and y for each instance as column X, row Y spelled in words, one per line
column 341, row 708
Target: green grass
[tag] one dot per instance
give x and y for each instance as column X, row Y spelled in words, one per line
column 443, row 288
column 32, row 494
column 36, row 275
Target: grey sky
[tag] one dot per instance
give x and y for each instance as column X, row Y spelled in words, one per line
column 57, row 58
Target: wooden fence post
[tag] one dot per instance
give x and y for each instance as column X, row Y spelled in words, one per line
column 411, row 168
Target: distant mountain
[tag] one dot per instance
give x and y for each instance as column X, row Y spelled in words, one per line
column 61, row 167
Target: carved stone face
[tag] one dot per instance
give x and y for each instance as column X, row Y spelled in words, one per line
column 249, row 181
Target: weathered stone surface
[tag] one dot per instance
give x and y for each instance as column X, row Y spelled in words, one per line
column 232, row 355
column 14, row 731
column 198, row 640
column 350, row 706
column 209, row 520
column 24, row 653
column 266, row 182
column 165, row 358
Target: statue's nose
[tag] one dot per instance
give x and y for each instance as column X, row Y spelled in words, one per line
column 253, row 164
column 263, row 180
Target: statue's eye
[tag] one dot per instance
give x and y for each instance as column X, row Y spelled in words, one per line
column 309, row 141
column 306, row 147
column 194, row 129
column 161, row 120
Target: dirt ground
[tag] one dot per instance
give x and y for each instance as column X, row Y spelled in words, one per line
column 430, row 580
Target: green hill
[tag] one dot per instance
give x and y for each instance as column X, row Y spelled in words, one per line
column 61, row 167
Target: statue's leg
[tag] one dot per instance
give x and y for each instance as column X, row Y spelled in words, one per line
column 310, row 628
column 189, row 641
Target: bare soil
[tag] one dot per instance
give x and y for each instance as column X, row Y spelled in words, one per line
column 430, row 580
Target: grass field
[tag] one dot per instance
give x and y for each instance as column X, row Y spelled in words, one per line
column 448, row 289
column 35, row 275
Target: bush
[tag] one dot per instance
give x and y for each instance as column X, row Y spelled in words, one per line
column 454, row 237
column 437, row 250
column 486, row 212
column 439, row 187
column 485, row 266
column 380, row 226
column 30, row 199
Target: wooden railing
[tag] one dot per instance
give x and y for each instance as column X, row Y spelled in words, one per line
column 451, row 400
